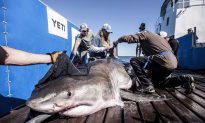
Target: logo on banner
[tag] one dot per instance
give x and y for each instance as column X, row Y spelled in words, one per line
column 57, row 24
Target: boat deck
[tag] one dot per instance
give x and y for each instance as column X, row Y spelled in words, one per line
column 180, row 108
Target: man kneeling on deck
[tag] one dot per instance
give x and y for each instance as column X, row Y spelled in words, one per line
column 159, row 59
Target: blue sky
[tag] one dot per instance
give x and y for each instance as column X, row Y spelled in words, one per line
column 124, row 16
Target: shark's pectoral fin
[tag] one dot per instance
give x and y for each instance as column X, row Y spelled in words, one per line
column 39, row 118
column 142, row 97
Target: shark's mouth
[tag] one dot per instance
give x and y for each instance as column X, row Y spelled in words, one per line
column 73, row 107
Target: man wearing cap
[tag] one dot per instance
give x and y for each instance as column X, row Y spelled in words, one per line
column 138, row 48
column 83, row 42
column 159, row 59
column 101, row 43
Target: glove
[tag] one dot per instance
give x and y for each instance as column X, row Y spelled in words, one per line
column 115, row 43
column 111, row 51
column 54, row 55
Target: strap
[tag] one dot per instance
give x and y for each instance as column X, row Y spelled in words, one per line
column 150, row 57
column 165, row 52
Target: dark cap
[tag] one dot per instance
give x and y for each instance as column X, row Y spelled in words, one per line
column 142, row 26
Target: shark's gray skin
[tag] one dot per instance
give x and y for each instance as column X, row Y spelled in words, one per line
column 83, row 95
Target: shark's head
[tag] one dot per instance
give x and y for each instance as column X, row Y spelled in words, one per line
column 72, row 96
column 59, row 95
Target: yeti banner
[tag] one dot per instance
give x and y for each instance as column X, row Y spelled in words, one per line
column 57, row 24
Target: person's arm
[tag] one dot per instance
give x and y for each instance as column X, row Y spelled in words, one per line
column 18, row 57
column 95, row 45
column 96, row 49
column 76, row 45
column 128, row 38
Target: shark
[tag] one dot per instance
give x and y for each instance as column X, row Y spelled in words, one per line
column 106, row 85
column 82, row 95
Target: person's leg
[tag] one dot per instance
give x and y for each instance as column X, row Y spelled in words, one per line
column 161, row 77
column 84, row 57
column 159, row 74
column 185, row 81
column 145, row 84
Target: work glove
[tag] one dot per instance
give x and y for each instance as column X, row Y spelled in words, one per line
column 115, row 43
column 111, row 51
column 54, row 55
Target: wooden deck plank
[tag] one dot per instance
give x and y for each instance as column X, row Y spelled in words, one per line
column 97, row 117
column 165, row 113
column 148, row 112
column 131, row 113
column 200, row 83
column 180, row 110
column 57, row 120
column 199, row 93
column 194, row 97
column 193, row 106
column 77, row 120
column 16, row 116
column 114, row 115
column 201, row 88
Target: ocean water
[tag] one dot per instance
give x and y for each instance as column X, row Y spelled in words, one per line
column 125, row 58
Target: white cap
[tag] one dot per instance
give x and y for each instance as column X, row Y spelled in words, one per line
column 83, row 26
column 107, row 27
column 163, row 34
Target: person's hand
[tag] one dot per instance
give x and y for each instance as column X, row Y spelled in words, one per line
column 115, row 43
column 111, row 51
column 54, row 56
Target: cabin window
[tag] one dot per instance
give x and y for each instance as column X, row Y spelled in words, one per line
column 167, row 21
column 186, row 3
column 183, row 3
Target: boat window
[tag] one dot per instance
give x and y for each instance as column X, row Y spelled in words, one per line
column 183, row 3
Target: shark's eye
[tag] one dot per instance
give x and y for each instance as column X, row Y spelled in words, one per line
column 69, row 94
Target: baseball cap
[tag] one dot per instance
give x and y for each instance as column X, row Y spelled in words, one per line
column 107, row 27
column 83, row 26
column 163, row 34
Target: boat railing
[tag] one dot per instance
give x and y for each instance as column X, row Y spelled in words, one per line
column 195, row 42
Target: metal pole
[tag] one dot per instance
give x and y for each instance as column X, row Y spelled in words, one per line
column 195, row 36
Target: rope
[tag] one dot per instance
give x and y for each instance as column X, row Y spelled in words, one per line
column 5, row 33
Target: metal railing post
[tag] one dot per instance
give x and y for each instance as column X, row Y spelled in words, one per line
column 195, row 38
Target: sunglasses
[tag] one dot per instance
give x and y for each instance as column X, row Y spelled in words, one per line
column 84, row 31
